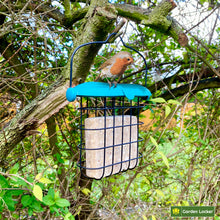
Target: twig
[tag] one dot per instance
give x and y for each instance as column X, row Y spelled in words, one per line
column 15, row 175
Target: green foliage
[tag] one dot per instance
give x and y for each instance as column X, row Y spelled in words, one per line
column 20, row 196
column 180, row 163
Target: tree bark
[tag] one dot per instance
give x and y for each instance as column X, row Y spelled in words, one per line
column 61, row 172
column 203, row 74
column 98, row 22
column 195, row 87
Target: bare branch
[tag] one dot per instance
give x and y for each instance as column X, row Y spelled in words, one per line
column 197, row 86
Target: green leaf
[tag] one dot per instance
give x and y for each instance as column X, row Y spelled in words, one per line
column 185, row 57
column 202, row 1
column 54, row 209
column 1, row 206
column 37, row 191
column 36, row 206
column 10, row 203
column 38, row 176
column 26, row 200
column 58, row 157
column 153, row 141
column 69, row 216
column 48, row 200
column 9, row 198
column 62, row 202
column 3, row 182
column 158, row 100
column 51, row 192
column 30, row 211
column 14, row 169
column 167, row 110
column 19, row 182
column 173, row 101
column 86, row 191
column 44, row 180
column 14, row 192
column 165, row 160
column 56, row 195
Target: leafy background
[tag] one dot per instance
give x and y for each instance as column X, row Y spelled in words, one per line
column 181, row 147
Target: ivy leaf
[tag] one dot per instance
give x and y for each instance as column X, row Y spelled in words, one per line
column 37, row 191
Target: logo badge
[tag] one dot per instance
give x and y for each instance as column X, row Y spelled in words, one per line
column 192, row 211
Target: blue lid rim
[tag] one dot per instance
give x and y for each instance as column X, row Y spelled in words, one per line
column 100, row 89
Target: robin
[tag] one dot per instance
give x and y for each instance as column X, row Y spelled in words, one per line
column 115, row 66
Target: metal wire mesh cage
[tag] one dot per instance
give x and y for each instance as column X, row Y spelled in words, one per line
column 111, row 136
column 109, row 125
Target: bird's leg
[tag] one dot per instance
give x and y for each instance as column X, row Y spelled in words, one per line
column 116, row 82
column 110, row 84
column 99, row 76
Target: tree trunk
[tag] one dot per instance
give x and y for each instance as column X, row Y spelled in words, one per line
column 98, row 22
column 61, row 172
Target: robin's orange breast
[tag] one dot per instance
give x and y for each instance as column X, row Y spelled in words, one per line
column 118, row 67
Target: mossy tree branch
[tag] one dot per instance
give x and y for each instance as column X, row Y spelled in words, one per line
column 98, row 22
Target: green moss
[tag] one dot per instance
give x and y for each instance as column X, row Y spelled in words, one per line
column 135, row 16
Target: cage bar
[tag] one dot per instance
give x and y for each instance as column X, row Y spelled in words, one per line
column 111, row 139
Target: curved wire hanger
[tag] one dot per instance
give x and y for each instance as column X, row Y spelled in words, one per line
column 104, row 42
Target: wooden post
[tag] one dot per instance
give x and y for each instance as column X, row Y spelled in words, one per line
column 110, row 145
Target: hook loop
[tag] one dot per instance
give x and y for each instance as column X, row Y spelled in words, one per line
column 104, row 42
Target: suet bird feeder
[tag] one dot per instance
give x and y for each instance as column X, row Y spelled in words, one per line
column 109, row 129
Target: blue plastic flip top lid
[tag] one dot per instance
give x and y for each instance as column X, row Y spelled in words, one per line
column 100, row 89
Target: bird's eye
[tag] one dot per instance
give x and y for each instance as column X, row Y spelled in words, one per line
column 128, row 59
